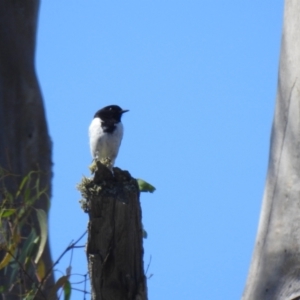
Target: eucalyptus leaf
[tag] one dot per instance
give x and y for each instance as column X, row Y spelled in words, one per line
column 27, row 247
column 24, row 180
column 42, row 218
column 145, row 186
column 145, row 234
column 59, row 284
column 67, row 290
column 7, row 212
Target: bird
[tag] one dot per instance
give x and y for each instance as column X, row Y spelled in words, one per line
column 106, row 133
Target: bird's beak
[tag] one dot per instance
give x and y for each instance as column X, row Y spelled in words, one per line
column 125, row 110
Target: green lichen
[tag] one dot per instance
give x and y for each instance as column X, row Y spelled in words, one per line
column 87, row 188
column 105, row 161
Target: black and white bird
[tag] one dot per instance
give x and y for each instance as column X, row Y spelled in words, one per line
column 106, row 132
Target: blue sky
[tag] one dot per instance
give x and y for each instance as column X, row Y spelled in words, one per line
column 199, row 79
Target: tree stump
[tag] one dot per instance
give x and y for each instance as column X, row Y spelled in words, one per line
column 115, row 235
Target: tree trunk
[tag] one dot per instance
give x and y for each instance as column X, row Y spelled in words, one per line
column 275, row 267
column 24, row 141
column 115, row 236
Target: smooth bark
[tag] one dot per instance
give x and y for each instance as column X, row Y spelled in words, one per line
column 24, row 141
column 275, row 267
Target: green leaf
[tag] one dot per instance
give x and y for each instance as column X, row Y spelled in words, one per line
column 8, row 197
column 27, row 196
column 40, row 270
column 28, row 245
column 37, row 185
column 145, row 234
column 145, row 186
column 30, row 296
column 67, row 290
column 7, row 212
column 59, row 283
column 42, row 218
column 24, row 180
column 8, row 255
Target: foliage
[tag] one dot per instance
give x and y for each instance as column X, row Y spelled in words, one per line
column 16, row 213
column 24, row 253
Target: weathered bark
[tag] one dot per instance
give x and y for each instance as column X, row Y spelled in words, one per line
column 24, row 141
column 275, row 268
column 115, row 237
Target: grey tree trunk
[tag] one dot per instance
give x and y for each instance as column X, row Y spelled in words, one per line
column 24, row 141
column 115, row 236
column 275, row 268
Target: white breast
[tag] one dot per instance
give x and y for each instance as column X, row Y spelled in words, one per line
column 104, row 145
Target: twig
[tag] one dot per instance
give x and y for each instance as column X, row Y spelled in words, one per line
column 85, row 292
column 79, row 290
column 149, row 264
column 71, row 246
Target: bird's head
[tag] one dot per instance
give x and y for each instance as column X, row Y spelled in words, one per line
column 111, row 112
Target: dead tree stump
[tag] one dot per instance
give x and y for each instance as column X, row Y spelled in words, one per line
column 115, row 235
